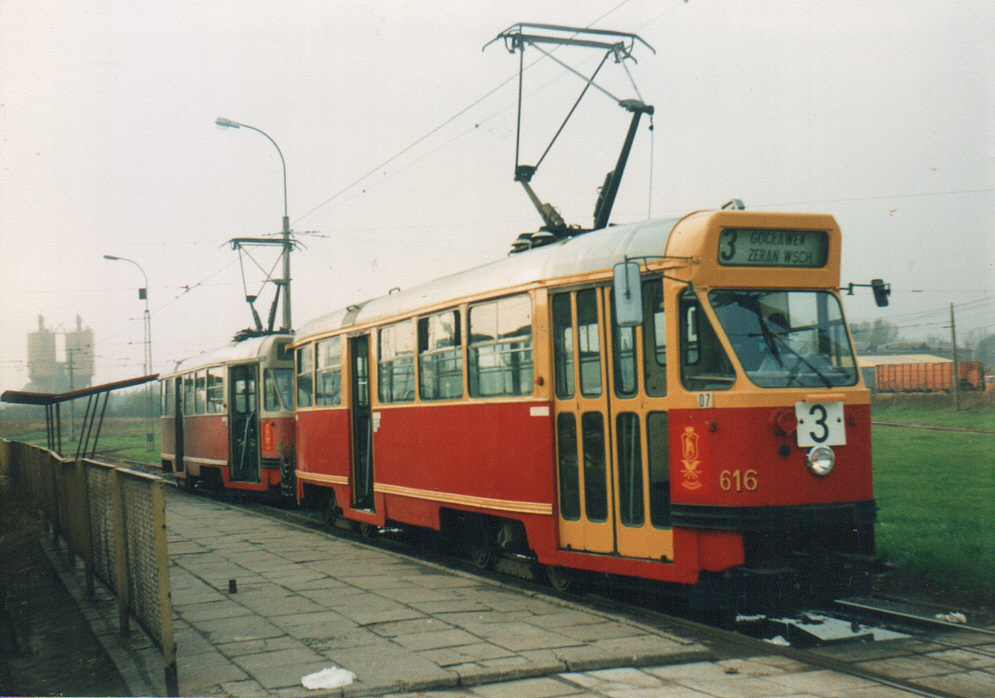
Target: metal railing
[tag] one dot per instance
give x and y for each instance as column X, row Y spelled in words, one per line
column 114, row 519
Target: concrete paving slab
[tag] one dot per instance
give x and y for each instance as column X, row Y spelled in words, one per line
column 287, row 675
column 528, row 688
column 295, row 656
column 242, row 689
column 244, row 647
column 820, row 682
column 438, row 639
column 913, row 668
column 251, row 627
column 969, row 684
column 465, row 654
column 212, row 610
column 965, row 659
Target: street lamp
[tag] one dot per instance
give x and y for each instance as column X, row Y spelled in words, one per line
column 143, row 295
column 287, row 242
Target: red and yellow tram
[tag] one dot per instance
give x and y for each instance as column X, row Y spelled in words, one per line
column 227, row 417
column 693, row 417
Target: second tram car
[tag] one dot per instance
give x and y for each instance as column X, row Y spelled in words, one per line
column 694, row 417
column 227, row 417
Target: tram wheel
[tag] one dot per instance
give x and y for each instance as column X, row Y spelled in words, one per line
column 331, row 512
column 482, row 553
column 559, row 578
column 480, row 543
column 366, row 530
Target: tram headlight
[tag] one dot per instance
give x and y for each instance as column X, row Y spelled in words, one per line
column 820, row 461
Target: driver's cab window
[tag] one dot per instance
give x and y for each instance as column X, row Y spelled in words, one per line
column 704, row 363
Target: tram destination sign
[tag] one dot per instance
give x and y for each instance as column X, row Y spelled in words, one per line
column 757, row 247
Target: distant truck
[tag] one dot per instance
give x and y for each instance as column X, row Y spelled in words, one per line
column 928, row 378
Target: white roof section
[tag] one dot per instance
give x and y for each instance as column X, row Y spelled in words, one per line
column 246, row 350
column 584, row 253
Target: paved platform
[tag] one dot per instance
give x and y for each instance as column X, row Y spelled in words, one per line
column 308, row 601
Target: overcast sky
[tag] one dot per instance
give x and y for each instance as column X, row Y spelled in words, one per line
column 880, row 113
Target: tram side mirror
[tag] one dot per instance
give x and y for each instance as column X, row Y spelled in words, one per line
column 628, row 295
column 881, row 292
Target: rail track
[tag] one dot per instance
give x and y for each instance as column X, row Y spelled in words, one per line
column 723, row 642
column 933, row 427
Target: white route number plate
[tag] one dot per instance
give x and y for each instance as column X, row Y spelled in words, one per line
column 820, row 423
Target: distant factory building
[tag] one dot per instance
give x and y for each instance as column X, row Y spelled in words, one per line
column 49, row 375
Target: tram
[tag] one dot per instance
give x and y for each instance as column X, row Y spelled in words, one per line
column 227, row 417
column 674, row 401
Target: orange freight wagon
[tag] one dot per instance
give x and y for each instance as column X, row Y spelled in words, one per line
column 927, row 378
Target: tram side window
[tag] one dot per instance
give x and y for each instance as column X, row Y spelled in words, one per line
column 500, row 354
column 305, row 375
column 328, row 372
column 566, row 441
column 704, row 364
column 440, row 356
column 654, row 339
column 278, row 389
column 630, row 470
column 215, row 390
column 563, row 347
column 624, row 357
column 201, row 392
column 588, row 342
column 592, row 426
column 166, row 395
column 658, row 451
column 396, row 363
column 188, row 401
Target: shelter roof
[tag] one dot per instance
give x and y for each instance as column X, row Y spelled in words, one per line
column 20, row 397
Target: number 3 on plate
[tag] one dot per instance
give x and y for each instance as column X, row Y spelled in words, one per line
column 820, row 423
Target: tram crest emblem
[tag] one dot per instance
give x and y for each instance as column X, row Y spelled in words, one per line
column 689, row 446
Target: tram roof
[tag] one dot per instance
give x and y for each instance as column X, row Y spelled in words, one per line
column 585, row 253
column 246, row 350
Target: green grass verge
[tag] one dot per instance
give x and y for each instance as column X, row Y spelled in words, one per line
column 977, row 410
column 123, row 437
column 936, row 492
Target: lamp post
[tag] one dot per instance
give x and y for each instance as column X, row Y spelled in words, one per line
column 143, row 295
column 287, row 242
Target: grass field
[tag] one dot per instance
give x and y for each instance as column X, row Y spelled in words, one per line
column 120, row 436
column 935, row 489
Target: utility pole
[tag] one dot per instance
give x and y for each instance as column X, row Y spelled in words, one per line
column 953, row 355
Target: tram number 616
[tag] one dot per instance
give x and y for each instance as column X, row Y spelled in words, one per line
column 738, row 480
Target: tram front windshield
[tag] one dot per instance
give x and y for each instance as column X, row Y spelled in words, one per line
column 787, row 338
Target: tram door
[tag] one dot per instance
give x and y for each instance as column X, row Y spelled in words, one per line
column 601, row 416
column 362, row 426
column 244, row 421
column 178, row 423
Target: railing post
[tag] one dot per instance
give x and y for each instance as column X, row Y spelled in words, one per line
column 165, row 590
column 87, row 534
column 120, row 551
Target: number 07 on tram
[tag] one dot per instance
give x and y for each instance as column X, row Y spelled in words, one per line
column 676, row 402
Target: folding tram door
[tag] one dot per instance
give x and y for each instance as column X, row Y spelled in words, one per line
column 244, row 419
column 362, row 423
column 610, row 478
column 179, row 466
